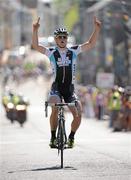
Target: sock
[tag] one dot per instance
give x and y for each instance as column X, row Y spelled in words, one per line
column 53, row 134
column 71, row 136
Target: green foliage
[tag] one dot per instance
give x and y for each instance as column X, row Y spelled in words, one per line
column 29, row 66
column 70, row 11
column 71, row 17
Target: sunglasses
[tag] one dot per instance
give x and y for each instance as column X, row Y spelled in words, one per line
column 62, row 37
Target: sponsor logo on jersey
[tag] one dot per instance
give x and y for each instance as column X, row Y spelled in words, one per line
column 66, row 62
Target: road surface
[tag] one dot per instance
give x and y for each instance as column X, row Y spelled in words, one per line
column 99, row 154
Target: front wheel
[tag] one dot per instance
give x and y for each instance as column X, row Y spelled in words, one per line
column 60, row 141
column 62, row 146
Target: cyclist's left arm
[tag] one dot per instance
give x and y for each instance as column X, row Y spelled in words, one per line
column 93, row 38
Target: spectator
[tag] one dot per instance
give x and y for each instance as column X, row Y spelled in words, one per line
column 100, row 105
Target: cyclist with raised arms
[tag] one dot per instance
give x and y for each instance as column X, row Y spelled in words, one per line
column 63, row 62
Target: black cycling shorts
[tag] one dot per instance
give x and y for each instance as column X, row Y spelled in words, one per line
column 65, row 92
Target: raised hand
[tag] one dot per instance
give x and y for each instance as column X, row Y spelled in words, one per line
column 37, row 24
column 97, row 23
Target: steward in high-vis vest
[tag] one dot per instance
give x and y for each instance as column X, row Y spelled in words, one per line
column 114, row 106
column 115, row 101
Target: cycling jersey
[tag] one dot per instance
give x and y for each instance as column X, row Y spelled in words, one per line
column 63, row 64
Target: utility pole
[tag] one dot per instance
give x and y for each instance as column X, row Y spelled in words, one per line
column 127, row 33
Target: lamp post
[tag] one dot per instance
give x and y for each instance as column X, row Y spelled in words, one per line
column 127, row 34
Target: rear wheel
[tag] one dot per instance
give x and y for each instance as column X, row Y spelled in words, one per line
column 21, row 117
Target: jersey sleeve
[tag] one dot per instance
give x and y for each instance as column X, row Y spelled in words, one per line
column 77, row 49
column 48, row 51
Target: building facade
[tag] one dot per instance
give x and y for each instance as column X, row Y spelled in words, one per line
column 112, row 52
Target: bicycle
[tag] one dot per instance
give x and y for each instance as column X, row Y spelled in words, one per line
column 61, row 131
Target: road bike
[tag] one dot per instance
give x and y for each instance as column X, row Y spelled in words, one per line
column 61, row 131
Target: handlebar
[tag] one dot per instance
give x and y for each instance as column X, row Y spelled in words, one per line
column 58, row 105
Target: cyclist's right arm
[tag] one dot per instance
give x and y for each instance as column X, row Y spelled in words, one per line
column 35, row 43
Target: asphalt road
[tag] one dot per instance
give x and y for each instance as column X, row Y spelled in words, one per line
column 99, row 154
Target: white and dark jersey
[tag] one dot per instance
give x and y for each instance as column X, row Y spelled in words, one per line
column 63, row 64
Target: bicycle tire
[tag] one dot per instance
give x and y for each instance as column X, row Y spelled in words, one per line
column 61, row 138
column 61, row 144
column 58, row 137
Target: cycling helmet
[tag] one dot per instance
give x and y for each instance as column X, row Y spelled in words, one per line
column 60, row 31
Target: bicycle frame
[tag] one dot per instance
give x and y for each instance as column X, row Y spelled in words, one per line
column 61, row 133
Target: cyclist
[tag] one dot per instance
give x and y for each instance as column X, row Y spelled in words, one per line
column 63, row 61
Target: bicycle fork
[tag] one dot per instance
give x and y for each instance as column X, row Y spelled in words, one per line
column 61, row 135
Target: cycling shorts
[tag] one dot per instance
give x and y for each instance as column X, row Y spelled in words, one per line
column 65, row 92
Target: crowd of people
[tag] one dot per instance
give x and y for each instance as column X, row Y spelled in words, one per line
column 113, row 105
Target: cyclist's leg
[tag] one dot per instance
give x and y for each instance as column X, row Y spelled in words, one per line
column 54, row 97
column 53, row 117
column 76, row 112
column 53, row 121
